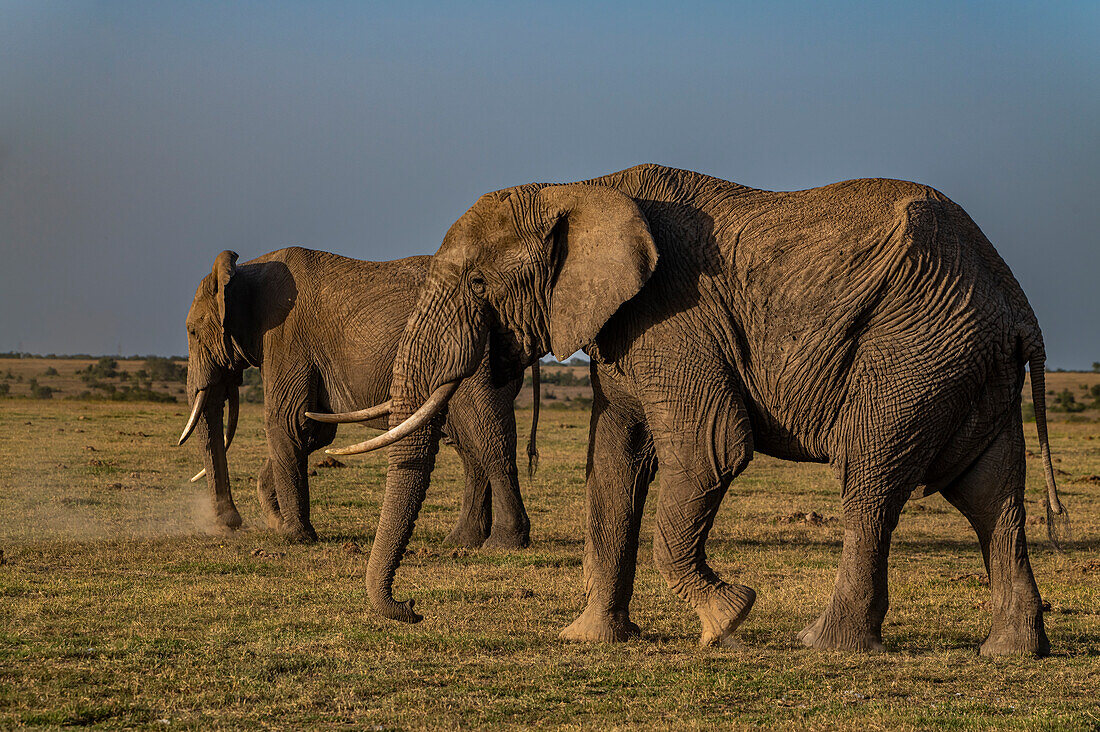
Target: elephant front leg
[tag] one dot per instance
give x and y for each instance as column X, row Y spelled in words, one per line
column 685, row 516
column 269, row 500
column 620, row 468
column 703, row 444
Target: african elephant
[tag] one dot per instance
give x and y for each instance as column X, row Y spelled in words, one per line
column 324, row 331
column 868, row 324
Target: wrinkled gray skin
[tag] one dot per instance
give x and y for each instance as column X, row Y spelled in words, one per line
column 867, row 324
column 324, row 329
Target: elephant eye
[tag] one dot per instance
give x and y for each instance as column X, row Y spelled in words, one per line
column 477, row 284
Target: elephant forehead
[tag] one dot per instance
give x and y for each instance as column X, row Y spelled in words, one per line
column 480, row 229
column 202, row 301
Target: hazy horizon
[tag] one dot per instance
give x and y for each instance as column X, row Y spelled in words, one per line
column 137, row 140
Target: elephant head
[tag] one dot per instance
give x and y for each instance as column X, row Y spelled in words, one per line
column 526, row 270
column 215, row 362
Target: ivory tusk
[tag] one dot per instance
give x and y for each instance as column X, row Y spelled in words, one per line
column 418, row 419
column 359, row 415
column 200, row 401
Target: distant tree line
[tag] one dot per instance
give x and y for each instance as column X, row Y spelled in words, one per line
column 84, row 356
column 561, row 377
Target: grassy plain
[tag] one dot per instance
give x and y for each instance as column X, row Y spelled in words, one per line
column 117, row 609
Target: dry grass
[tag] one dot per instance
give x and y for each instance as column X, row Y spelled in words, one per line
column 116, row 610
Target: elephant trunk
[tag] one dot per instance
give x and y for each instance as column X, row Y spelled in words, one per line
column 410, row 464
column 230, row 429
column 425, row 374
column 209, row 432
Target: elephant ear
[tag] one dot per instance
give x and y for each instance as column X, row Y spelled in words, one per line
column 603, row 253
column 225, row 266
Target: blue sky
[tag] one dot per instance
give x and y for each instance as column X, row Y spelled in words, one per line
column 137, row 140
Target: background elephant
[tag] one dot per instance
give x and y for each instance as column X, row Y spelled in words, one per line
column 868, row 324
column 324, row 330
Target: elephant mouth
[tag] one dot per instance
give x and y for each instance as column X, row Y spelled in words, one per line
column 422, row 416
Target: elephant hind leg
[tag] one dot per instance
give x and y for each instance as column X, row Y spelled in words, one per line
column 875, row 488
column 990, row 494
column 288, row 469
column 476, row 515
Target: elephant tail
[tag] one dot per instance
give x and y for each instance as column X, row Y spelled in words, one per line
column 1058, row 528
column 532, row 443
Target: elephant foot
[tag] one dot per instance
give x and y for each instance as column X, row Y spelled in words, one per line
column 1027, row 637
column 219, row 529
column 274, row 522
column 599, row 626
column 508, row 539
column 831, row 633
column 725, row 609
column 226, row 519
column 465, row 534
column 299, row 534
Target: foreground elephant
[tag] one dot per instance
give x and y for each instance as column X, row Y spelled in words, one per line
column 324, row 330
column 868, row 324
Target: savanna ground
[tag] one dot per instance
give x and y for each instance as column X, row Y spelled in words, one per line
column 117, row 609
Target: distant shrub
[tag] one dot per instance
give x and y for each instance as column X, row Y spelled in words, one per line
column 4, row 389
column 252, row 377
column 38, row 391
column 1027, row 411
column 159, row 368
column 126, row 394
column 1064, row 401
column 142, row 395
column 254, row 394
column 104, row 368
column 51, row 371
